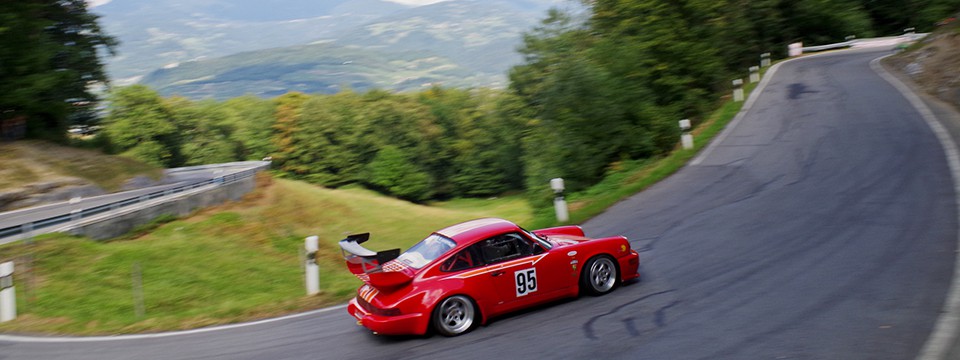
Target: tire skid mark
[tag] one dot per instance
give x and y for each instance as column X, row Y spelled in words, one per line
column 588, row 326
column 661, row 314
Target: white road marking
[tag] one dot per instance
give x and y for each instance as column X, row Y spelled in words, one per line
column 44, row 339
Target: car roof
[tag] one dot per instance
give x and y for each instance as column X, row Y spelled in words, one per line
column 473, row 230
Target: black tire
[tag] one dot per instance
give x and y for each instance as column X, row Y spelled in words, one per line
column 455, row 315
column 599, row 276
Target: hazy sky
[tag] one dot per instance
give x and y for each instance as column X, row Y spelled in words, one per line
column 414, row 2
column 95, row 3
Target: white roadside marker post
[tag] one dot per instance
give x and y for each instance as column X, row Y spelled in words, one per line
column 559, row 203
column 765, row 60
column 754, row 74
column 795, row 49
column 311, row 244
column 8, row 295
column 738, row 90
column 685, row 137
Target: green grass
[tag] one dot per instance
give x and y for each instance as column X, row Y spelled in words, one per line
column 237, row 262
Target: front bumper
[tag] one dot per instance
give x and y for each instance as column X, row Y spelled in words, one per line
column 406, row 324
column 629, row 265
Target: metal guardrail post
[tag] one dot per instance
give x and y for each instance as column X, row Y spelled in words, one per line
column 26, row 229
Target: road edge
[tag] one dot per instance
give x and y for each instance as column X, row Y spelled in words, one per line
column 75, row 339
column 944, row 333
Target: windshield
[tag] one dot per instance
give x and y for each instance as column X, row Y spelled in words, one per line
column 426, row 251
column 539, row 239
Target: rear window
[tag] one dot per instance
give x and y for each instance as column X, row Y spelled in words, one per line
column 426, row 250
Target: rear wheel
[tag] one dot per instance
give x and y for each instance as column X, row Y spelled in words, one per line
column 454, row 315
column 599, row 276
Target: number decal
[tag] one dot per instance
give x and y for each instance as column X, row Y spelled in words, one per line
column 526, row 281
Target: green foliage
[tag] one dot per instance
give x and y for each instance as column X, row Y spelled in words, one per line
column 827, row 21
column 204, row 130
column 393, row 171
column 49, row 59
column 141, row 125
column 252, row 118
column 891, row 17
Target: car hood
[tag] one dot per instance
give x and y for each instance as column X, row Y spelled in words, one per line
column 565, row 240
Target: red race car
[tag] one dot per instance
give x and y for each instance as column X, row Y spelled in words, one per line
column 467, row 273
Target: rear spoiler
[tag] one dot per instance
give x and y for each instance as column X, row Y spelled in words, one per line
column 361, row 260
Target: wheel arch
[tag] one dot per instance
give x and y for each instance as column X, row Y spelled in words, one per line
column 584, row 267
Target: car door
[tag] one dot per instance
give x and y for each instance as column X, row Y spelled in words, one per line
column 518, row 270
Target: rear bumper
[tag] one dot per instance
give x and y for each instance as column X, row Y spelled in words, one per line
column 629, row 266
column 407, row 324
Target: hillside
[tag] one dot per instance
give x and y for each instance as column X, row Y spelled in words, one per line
column 480, row 36
column 156, row 33
column 318, row 68
column 463, row 43
column 934, row 64
column 37, row 172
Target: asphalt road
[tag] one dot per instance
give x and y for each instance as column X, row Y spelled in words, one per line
column 823, row 226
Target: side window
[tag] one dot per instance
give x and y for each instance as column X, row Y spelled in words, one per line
column 505, row 247
column 463, row 260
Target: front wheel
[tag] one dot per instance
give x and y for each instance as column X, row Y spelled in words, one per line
column 454, row 316
column 599, row 276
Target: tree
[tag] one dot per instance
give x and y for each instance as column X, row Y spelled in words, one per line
column 890, row 17
column 392, row 170
column 252, row 118
column 335, row 152
column 49, row 63
column 286, row 126
column 203, row 131
column 140, row 124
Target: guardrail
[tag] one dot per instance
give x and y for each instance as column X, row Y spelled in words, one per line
column 871, row 42
column 844, row 44
column 80, row 214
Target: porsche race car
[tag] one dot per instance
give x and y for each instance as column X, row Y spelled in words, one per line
column 465, row 274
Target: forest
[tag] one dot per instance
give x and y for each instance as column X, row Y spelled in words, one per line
column 595, row 90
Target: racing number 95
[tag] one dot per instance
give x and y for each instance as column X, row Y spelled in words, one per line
column 526, row 281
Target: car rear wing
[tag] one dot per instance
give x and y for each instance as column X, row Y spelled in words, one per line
column 361, row 260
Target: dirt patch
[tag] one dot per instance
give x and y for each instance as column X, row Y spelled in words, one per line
column 36, row 172
column 934, row 63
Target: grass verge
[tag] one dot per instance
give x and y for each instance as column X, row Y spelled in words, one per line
column 240, row 261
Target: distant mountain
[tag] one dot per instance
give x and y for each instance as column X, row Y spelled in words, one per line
column 479, row 35
column 356, row 43
column 156, row 33
column 317, row 68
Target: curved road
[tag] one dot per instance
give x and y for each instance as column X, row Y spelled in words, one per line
column 822, row 226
